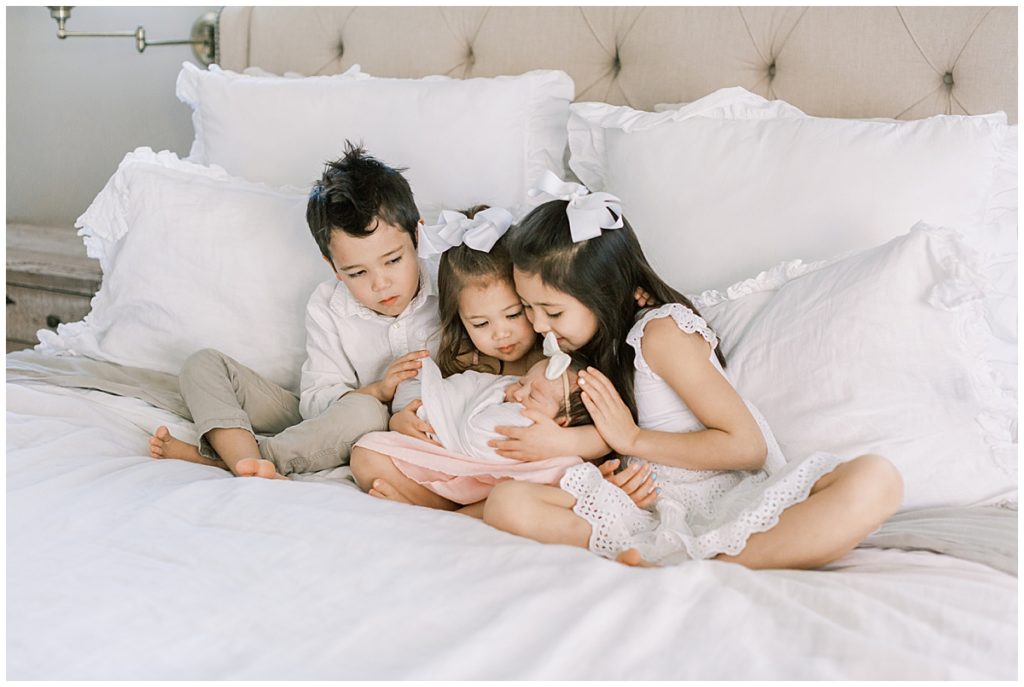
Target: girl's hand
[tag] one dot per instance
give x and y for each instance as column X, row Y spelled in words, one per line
column 407, row 422
column 642, row 298
column 610, row 414
column 540, row 440
column 638, row 481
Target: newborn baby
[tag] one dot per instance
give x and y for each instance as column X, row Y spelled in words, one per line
column 465, row 408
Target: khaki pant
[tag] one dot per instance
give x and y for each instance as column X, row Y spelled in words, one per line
column 221, row 393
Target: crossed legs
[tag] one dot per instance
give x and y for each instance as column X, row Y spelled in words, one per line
column 376, row 474
column 843, row 508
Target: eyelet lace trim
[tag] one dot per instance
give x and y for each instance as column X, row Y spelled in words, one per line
column 731, row 537
column 687, row 320
column 614, row 519
column 618, row 524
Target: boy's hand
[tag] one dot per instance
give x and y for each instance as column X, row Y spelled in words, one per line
column 407, row 422
column 637, row 480
column 405, row 367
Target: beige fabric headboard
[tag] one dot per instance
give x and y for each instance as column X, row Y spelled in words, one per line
column 905, row 62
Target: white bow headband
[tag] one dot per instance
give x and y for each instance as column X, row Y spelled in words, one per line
column 588, row 212
column 558, row 363
column 454, row 229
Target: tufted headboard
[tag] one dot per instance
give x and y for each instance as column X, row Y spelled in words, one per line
column 904, row 62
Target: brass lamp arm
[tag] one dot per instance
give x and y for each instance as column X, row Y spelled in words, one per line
column 203, row 40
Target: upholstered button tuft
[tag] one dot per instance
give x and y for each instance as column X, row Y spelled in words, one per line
column 947, row 78
column 771, row 71
column 616, row 62
column 341, row 47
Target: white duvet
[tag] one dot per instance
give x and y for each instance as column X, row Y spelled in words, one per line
column 124, row 567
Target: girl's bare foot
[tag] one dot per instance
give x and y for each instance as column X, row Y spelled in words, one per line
column 383, row 490
column 257, row 467
column 632, row 558
column 163, row 445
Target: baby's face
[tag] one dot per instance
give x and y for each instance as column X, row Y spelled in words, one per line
column 537, row 392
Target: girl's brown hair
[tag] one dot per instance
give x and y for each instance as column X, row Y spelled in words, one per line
column 601, row 273
column 460, row 267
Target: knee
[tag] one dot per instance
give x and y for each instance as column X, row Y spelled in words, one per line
column 509, row 505
column 362, row 412
column 880, row 484
column 366, row 466
column 202, row 362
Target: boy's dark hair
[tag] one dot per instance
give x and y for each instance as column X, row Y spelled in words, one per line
column 601, row 273
column 355, row 193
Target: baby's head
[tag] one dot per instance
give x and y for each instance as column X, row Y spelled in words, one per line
column 479, row 307
column 558, row 399
column 363, row 217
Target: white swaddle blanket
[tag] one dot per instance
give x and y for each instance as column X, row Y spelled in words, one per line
column 465, row 408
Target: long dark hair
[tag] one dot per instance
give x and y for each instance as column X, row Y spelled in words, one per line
column 460, row 267
column 578, row 413
column 603, row 274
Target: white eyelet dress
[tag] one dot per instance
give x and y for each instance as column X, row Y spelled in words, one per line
column 699, row 513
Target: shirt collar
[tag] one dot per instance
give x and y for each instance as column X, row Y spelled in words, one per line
column 343, row 302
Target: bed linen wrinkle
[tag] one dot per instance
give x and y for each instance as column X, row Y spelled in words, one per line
column 123, row 567
column 102, row 564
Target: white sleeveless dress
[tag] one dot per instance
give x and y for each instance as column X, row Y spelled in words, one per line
column 699, row 513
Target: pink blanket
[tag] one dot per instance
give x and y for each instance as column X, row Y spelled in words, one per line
column 456, row 477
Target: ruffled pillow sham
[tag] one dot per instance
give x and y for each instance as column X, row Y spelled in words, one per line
column 883, row 351
column 193, row 257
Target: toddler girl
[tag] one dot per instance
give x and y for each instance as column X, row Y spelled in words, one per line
column 661, row 396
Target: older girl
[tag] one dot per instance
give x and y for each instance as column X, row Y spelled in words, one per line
column 657, row 393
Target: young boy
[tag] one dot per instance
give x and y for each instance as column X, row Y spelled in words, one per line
column 366, row 331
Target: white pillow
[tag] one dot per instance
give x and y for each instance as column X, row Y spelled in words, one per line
column 730, row 183
column 463, row 141
column 878, row 352
column 195, row 258
column 996, row 240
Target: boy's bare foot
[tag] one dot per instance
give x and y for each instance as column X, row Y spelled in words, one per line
column 632, row 558
column 383, row 490
column 163, row 445
column 257, row 467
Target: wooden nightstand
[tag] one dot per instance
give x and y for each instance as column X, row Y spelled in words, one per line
column 49, row 280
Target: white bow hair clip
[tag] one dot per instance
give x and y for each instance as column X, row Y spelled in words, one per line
column 588, row 212
column 559, row 360
column 454, row 229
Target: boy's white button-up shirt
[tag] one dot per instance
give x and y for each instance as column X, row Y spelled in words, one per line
column 349, row 345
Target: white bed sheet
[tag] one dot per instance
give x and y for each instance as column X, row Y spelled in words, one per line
column 123, row 567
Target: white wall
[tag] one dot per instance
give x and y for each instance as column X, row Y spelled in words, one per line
column 76, row 106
